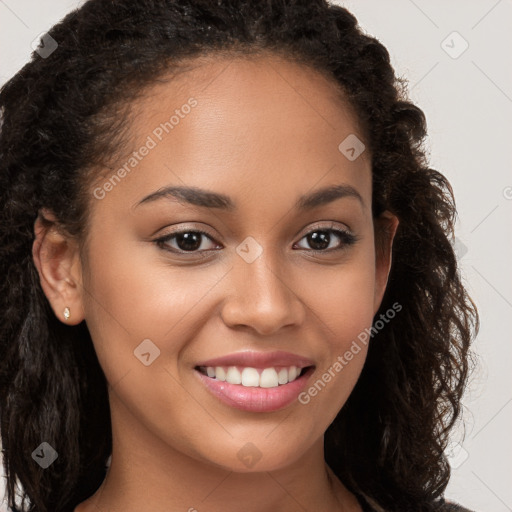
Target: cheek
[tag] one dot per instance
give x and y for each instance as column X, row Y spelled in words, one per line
column 132, row 296
column 343, row 303
column 343, row 296
column 135, row 297
column 132, row 300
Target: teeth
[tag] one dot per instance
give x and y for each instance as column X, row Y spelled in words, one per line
column 220, row 374
column 251, row 377
column 268, row 378
column 233, row 376
column 282, row 376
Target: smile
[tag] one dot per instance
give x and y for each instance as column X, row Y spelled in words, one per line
column 252, row 377
column 255, row 381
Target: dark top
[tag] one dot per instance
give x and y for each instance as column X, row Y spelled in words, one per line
column 443, row 506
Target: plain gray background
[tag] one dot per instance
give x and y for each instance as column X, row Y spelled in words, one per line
column 466, row 94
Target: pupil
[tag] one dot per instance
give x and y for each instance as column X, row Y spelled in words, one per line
column 192, row 241
column 319, row 239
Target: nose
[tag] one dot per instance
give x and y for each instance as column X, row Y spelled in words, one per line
column 264, row 297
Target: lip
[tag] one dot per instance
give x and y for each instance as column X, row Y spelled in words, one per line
column 254, row 399
column 259, row 360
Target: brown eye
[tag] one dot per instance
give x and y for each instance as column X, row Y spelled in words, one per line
column 190, row 241
column 187, row 241
column 320, row 239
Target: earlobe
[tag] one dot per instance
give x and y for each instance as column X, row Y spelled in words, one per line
column 57, row 261
column 386, row 226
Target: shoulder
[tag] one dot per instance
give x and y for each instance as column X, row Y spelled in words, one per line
column 440, row 505
column 449, row 506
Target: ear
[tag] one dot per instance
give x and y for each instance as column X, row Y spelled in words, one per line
column 56, row 257
column 385, row 227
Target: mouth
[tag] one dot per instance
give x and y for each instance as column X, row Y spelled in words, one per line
column 256, row 381
column 249, row 389
column 268, row 378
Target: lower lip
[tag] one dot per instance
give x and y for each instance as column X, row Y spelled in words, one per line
column 255, row 399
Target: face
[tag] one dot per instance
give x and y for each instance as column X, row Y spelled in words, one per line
column 264, row 275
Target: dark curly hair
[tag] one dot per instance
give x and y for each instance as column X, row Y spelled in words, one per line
column 58, row 115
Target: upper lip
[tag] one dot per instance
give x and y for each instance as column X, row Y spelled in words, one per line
column 259, row 360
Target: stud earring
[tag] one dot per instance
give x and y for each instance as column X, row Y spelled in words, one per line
column 67, row 313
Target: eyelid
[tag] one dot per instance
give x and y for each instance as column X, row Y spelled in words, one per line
column 303, row 232
column 317, row 226
column 347, row 237
column 161, row 240
column 186, row 228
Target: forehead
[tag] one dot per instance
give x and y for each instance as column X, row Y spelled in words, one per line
column 258, row 126
column 243, row 85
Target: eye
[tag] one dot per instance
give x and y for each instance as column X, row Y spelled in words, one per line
column 188, row 241
column 191, row 240
column 320, row 239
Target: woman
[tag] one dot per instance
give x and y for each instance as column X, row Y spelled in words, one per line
column 227, row 266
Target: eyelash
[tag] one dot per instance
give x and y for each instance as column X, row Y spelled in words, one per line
column 347, row 239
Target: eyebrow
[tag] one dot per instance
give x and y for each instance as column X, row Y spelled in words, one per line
column 208, row 199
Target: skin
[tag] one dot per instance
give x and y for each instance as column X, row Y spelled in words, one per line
column 264, row 132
